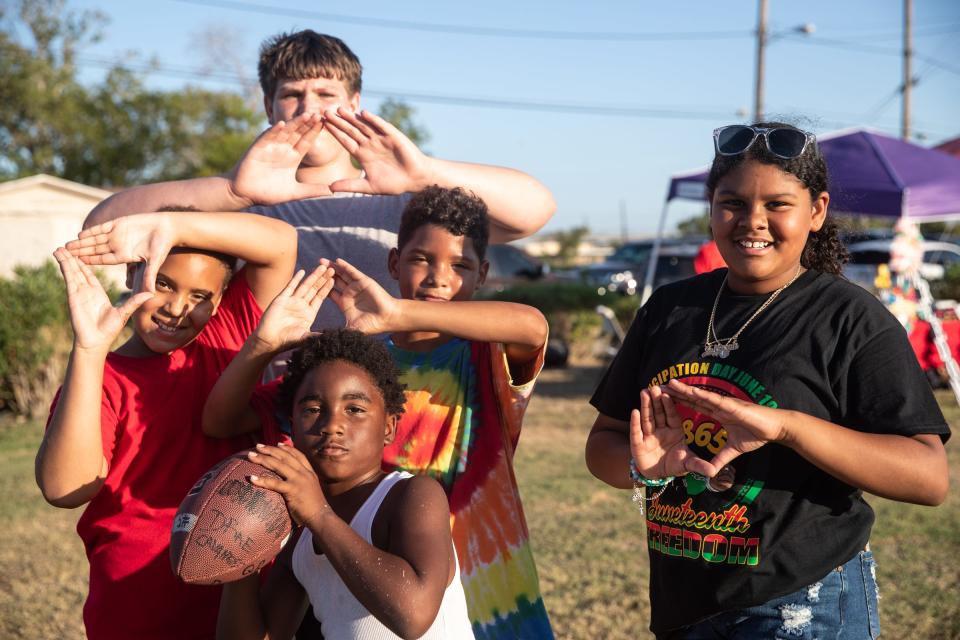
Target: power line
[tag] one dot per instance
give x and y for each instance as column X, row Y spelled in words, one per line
column 629, row 111
column 835, row 120
column 431, row 27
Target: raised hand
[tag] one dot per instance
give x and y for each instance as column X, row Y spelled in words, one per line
column 267, row 172
column 96, row 322
column 366, row 306
column 749, row 426
column 146, row 237
column 287, row 321
column 390, row 161
column 657, row 441
column 298, row 483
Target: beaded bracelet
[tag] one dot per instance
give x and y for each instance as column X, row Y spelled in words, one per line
column 638, row 478
column 639, row 481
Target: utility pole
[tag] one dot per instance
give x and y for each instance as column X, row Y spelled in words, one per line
column 761, row 46
column 907, row 64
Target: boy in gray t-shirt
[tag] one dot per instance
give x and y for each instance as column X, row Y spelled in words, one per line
column 311, row 85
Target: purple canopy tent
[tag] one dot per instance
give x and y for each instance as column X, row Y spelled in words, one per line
column 870, row 174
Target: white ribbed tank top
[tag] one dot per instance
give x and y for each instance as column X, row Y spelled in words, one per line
column 340, row 614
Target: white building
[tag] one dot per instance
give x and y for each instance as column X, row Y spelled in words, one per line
column 39, row 214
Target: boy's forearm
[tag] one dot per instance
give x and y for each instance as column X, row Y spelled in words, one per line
column 240, row 617
column 70, row 466
column 256, row 239
column 519, row 204
column 482, row 321
column 227, row 411
column 213, row 193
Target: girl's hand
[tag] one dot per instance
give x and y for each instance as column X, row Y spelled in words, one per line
column 657, row 441
column 749, row 426
column 96, row 322
column 287, row 321
column 366, row 305
column 298, row 483
column 146, row 237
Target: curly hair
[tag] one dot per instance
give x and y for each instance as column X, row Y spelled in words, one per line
column 824, row 250
column 305, row 55
column 349, row 346
column 460, row 212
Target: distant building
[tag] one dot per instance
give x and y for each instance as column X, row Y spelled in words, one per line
column 589, row 250
column 39, row 214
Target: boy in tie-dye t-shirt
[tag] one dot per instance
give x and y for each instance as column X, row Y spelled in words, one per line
column 469, row 367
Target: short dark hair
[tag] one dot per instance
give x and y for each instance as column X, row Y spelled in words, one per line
column 304, row 55
column 460, row 212
column 229, row 262
column 824, row 251
column 349, row 346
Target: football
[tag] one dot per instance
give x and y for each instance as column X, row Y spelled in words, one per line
column 227, row 528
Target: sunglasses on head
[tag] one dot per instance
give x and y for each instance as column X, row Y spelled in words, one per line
column 782, row 142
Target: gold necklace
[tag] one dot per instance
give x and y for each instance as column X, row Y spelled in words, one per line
column 721, row 348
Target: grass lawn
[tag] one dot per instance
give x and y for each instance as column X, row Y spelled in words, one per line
column 588, row 538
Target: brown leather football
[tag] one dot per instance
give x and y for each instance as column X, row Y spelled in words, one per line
column 227, row 528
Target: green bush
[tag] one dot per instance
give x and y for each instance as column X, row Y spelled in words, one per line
column 570, row 309
column 35, row 338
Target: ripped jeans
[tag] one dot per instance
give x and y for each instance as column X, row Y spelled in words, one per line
column 841, row 606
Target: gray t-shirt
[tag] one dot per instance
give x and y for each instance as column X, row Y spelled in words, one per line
column 360, row 229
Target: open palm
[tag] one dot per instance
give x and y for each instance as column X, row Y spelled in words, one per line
column 96, row 322
column 287, row 321
column 146, row 237
column 657, row 441
column 391, row 162
column 267, row 172
column 366, row 306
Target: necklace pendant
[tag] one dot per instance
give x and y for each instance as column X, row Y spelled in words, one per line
column 725, row 349
column 709, row 351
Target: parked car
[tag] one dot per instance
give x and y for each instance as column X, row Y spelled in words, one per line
column 867, row 255
column 624, row 271
column 510, row 265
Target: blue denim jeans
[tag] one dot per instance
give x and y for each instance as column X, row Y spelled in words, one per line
column 841, row 606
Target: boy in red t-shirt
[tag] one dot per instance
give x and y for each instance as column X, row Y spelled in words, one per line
column 124, row 432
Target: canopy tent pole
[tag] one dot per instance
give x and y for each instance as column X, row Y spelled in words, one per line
column 654, row 255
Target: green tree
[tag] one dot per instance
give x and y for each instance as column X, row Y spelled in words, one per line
column 696, row 225
column 113, row 133
column 569, row 241
column 401, row 115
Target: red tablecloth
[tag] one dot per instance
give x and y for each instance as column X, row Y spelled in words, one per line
column 921, row 339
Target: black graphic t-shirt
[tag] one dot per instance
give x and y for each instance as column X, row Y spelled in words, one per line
column 771, row 522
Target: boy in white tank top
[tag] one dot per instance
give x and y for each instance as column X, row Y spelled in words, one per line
column 375, row 556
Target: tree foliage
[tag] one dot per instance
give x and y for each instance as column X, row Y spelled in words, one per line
column 695, row 226
column 401, row 115
column 568, row 242
column 113, row 133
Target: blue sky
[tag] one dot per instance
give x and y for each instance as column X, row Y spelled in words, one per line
column 620, row 111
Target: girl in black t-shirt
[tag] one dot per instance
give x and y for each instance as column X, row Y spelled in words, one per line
column 755, row 404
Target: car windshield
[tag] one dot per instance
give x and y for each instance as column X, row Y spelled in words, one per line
column 631, row 253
